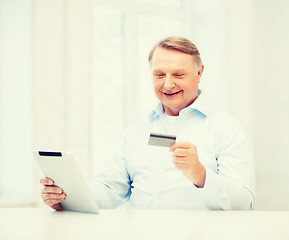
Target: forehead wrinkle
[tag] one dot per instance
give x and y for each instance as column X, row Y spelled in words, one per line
column 172, row 61
column 169, row 69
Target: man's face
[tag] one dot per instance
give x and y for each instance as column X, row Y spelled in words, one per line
column 175, row 79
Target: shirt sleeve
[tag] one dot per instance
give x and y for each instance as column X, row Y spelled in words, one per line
column 112, row 186
column 232, row 186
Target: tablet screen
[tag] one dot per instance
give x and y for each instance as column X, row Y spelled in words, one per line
column 61, row 167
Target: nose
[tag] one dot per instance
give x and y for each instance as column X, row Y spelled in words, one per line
column 169, row 83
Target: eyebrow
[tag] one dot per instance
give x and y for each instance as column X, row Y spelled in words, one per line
column 183, row 70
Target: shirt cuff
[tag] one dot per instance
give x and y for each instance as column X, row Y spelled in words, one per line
column 213, row 183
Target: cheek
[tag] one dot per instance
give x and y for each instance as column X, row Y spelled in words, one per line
column 191, row 85
column 157, row 86
column 191, row 90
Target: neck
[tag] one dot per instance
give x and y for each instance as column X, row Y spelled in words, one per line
column 176, row 112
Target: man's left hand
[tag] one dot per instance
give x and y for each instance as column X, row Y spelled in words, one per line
column 185, row 158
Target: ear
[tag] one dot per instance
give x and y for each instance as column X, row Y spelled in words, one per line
column 200, row 72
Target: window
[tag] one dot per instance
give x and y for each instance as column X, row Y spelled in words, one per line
column 108, row 86
column 16, row 163
column 123, row 34
column 92, row 55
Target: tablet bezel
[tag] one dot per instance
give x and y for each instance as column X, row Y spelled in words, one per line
column 61, row 167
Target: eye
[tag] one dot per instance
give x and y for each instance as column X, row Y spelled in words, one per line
column 179, row 75
column 159, row 75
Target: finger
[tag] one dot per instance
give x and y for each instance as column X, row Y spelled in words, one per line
column 46, row 181
column 180, row 152
column 50, row 196
column 57, row 207
column 172, row 148
column 179, row 165
column 52, row 202
column 181, row 145
column 52, row 189
column 179, row 161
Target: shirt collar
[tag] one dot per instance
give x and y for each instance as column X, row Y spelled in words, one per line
column 200, row 104
column 157, row 112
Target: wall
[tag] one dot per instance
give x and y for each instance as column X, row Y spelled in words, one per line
column 270, row 83
column 62, row 84
column 244, row 47
column 257, row 88
column 16, row 163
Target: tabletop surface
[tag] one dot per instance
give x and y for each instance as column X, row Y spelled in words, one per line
column 43, row 223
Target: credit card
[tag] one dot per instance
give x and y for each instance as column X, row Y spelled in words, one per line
column 162, row 140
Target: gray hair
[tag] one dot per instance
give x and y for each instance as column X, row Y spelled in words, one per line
column 179, row 44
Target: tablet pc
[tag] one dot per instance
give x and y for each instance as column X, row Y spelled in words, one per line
column 61, row 167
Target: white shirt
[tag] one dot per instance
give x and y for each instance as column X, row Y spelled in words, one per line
column 145, row 177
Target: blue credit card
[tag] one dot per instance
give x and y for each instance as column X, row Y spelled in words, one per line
column 162, row 140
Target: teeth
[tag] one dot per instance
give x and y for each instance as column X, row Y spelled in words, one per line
column 172, row 93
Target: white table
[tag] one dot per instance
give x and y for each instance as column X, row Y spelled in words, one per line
column 42, row 224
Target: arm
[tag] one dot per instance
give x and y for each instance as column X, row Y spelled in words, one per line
column 232, row 186
column 112, row 186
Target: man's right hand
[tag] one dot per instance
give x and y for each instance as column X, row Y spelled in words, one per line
column 52, row 195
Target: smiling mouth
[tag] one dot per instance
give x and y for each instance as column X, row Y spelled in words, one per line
column 172, row 94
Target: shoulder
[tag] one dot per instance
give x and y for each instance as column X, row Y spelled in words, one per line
column 222, row 117
column 228, row 129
